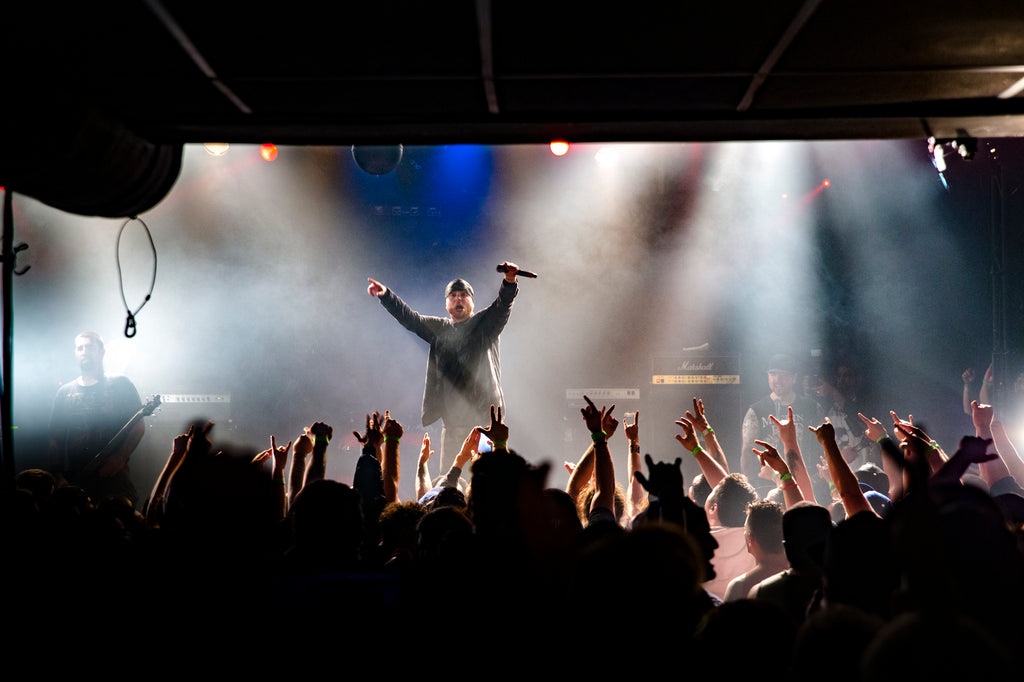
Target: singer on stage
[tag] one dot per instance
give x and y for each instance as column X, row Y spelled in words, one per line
column 463, row 367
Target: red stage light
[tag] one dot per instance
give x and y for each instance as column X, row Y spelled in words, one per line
column 826, row 183
column 559, row 147
column 268, row 151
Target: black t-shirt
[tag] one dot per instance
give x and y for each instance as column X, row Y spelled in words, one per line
column 85, row 418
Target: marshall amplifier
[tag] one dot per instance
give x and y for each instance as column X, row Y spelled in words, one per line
column 675, row 381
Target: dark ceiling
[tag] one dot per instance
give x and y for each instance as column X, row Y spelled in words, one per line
column 130, row 82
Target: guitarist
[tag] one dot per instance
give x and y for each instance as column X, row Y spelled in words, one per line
column 87, row 413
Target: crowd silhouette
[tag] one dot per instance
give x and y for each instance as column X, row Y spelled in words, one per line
column 912, row 567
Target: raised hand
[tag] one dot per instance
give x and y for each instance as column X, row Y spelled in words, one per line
column 390, row 427
column 303, row 444
column 786, row 429
column 425, row 451
column 609, row 424
column 511, row 269
column 376, row 288
column 968, row 376
column 470, row 447
column 497, row 431
column 321, row 430
column 594, row 418
column 823, row 471
column 770, row 457
column 374, row 433
column 665, row 479
column 913, row 440
column 874, row 429
column 697, row 417
column 825, row 433
column 976, row 450
column 633, row 430
column 982, row 416
column 199, row 442
column 897, row 422
column 687, row 438
column 280, row 454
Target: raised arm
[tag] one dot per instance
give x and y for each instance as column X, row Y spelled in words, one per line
column 933, row 454
column 280, row 455
column 843, row 477
column 995, row 469
column 297, row 474
column 424, row 326
column 321, row 434
column 1006, row 450
column 604, row 469
column 637, row 498
column 794, row 458
column 154, row 510
column 422, row 469
column 700, row 423
column 967, row 378
column 712, row 470
column 583, row 471
column 391, row 464
column 985, row 392
column 972, row 450
column 892, row 466
column 769, row 456
column 497, row 432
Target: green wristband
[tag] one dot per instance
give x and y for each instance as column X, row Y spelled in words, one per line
column 321, row 439
column 786, row 476
column 709, row 432
column 500, row 444
column 598, row 436
column 392, row 438
column 696, row 450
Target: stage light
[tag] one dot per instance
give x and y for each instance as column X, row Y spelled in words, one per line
column 216, row 148
column 559, row 147
column 826, row 183
column 268, row 151
column 606, row 156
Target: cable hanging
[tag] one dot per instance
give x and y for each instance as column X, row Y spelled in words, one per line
column 129, row 325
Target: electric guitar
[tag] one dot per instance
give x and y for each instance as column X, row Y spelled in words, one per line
column 91, row 470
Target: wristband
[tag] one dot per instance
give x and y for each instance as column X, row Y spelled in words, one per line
column 598, row 436
column 831, row 485
column 709, row 432
column 934, row 446
column 786, row 476
column 279, row 479
column 881, row 438
column 696, row 450
column 392, row 438
column 321, row 439
column 634, row 447
column 986, row 383
column 500, row 444
column 787, row 487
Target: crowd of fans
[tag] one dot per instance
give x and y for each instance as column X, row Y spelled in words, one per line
column 910, row 565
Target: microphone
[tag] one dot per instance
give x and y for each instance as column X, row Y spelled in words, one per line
column 521, row 273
